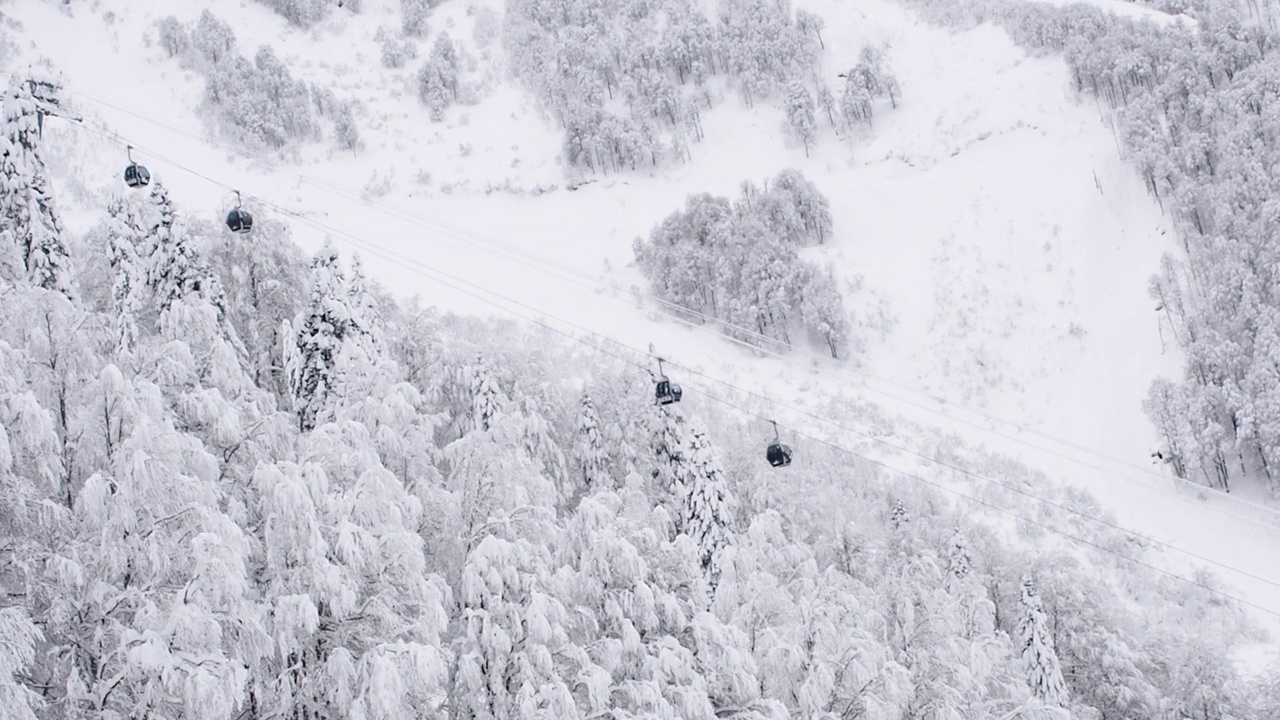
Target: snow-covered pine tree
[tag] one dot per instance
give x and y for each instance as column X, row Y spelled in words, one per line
column 487, row 399
column 706, row 503
column 438, row 77
column 1038, row 656
column 128, row 273
column 175, row 271
column 368, row 317
column 319, row 337
column 898, row 515
column 670, row 443
column 30, row 227
column 591, row 453
column 959, row 564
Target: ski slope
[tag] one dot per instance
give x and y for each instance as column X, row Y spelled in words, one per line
column 991, row 216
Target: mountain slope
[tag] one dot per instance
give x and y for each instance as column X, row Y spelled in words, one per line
column 990, row 213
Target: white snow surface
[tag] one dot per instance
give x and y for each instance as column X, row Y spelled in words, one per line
column 991, row 211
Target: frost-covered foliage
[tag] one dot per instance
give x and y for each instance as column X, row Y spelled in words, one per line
column 1195, row 109
column 739, row 263
column 440, row 523
column 258, row 100
column 628, row 80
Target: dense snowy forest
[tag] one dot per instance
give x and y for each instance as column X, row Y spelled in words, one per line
column 241, row 480
column 241, row 483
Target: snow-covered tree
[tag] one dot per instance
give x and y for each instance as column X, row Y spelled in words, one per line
column 302, row 13
column 125, row 237
column 18, row 640
column 266, row 285
column 800, row 112
column 175, row 270
column 706, row 503
column 807, row 22
column 487, row 399
column 365, row 306
column 32, row 229
column 438, row 77
column 629, row 622
column 324, row 338
column 513, row 654
column 212, row 38
column 1038, row 656
column 414, row 16
column 150, row 608
column 959, row 563
column 355, row 615
column 822, row 311
column 590, row 449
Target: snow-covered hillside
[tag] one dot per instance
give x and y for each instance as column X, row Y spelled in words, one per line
column 994, row 244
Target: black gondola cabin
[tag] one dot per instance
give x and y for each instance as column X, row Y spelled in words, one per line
column 136, row 176
column 239, row 221
column 667, row 392
column 778, row 455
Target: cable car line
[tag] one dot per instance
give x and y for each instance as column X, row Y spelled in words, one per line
column 452, row 232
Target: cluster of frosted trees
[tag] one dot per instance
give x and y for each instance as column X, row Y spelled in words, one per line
column 235, row 482
column 258, row 100
column 1195, row 110
column 739, row 263
column 628, row 78
column 305, row 13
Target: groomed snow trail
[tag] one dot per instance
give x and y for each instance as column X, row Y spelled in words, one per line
column 991, row 211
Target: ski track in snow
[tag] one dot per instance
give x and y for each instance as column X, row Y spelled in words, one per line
column 991, row 210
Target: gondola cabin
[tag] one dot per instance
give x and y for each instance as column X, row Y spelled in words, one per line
column 667, row 392
column 136, row 176
column 778, row 455
column 239, row 221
